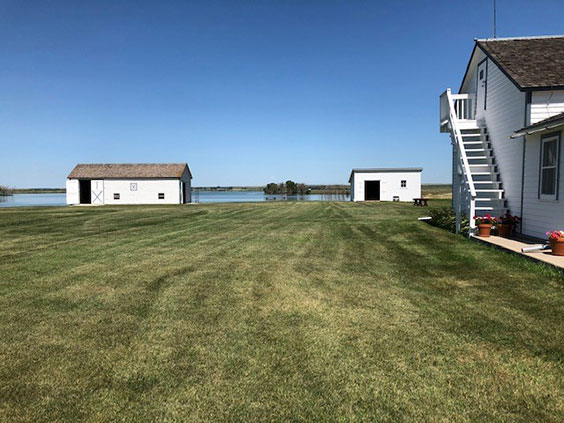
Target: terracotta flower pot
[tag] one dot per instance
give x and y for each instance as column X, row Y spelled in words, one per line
column 504, row 229
column 557, row 246
column 484, row 229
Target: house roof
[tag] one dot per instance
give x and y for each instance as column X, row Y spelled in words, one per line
column 531, row 63
column 543, row 125
column 385, row 170
column 129, row 170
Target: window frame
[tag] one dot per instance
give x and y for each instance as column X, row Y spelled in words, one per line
column 554, row 136
column 159, row 196
column 116, row 196
column 403, row 183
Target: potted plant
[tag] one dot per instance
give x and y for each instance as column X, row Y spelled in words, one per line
column 556, row 241
column 506, row 223
column 485, row 224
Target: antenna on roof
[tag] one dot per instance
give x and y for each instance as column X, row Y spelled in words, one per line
column 495, row 19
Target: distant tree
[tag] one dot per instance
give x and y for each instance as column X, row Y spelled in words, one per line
column 291, row 188
column 272, row 189
column 303, row 189
column 4, row 191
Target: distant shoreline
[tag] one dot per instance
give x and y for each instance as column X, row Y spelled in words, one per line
column 436, row 189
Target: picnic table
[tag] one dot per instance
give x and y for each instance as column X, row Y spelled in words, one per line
column 422, row 202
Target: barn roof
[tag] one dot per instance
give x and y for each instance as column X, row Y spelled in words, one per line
column 385, row 170
column 531, row 63
column 129, row 170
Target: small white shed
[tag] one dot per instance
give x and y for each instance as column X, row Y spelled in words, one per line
column 147, row 183
column 386, row 184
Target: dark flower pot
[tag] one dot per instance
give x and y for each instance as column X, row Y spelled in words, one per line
column 484, row 229
column 504, row 229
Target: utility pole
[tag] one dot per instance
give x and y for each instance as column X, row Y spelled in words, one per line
column 495, row 20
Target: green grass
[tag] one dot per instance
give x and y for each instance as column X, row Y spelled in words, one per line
column 286, row 311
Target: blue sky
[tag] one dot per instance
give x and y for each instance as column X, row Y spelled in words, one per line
column 246, row 92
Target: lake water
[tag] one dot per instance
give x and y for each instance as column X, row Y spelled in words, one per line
column 23, row 200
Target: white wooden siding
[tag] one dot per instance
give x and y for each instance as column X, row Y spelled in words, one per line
column 147, row 191
column 390, row 185
column 72, row 191
column 540, row 216
column 545, row 104
column 504, row 114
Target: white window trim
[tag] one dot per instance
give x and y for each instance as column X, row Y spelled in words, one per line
column 545, row 139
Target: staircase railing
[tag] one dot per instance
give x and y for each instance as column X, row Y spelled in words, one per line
column 453, row 117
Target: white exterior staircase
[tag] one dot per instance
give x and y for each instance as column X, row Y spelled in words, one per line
column 477, row 186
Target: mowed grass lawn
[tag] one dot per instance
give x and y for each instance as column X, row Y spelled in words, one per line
column 283, row 311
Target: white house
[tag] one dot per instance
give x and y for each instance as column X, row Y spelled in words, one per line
column 506, row 127
column 385, row 184
column 129, row 184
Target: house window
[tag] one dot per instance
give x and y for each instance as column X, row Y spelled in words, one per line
column 161, row 195
column 549, row 162
column 403, row 184
column 116, row 196
column 133, row 186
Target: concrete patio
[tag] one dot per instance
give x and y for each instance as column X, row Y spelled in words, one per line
column 514, row 246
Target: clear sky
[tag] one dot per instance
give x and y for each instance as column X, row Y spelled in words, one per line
column 246, row 92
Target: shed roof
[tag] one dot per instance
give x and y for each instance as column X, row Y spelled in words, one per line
column 385, row 170
column 129, row 170
column 531, row 63
column 543, row 125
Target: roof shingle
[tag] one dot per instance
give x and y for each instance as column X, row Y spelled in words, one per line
column 531, row 63
column 128, row 170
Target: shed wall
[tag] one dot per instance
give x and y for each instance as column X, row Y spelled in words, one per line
column 72, row 191
column 390, row 185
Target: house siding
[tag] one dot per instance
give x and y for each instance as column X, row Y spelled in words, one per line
column 505, row 113
column 390, row 185
column 545, row 104
column 540, row 216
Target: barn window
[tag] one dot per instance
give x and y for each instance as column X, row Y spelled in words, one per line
column 133, row 186
column 549, row 162
column 403, row 184
column 116, row 196
column 161, row 195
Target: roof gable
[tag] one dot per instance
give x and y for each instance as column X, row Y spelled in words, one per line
column 129, row 170
column 531, row 63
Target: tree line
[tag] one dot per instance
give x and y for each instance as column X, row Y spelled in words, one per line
column 5, row 190
column 287, row 188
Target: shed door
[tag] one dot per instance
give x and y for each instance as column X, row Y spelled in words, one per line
column 482, row 88
column 97, row 192
column 372, row 190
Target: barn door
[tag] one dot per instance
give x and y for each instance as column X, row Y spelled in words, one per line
column 482, row 88
column 98, row 192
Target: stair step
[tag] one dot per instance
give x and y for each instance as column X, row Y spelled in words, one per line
column 487, row 182
column 489, row 190
column 472, row 142
column 476, row 157
column 479, row 165
column 484, row 173
column 470, row 134
column 485, row 208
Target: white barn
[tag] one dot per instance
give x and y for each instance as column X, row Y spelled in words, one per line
column 506, row 125
column 386, row 184
column 129, row 184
